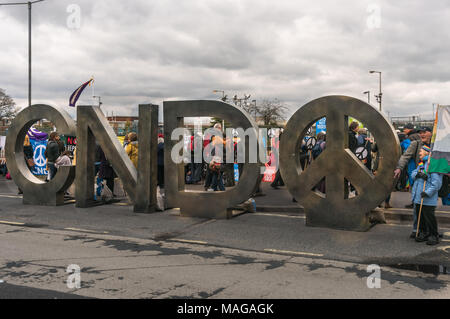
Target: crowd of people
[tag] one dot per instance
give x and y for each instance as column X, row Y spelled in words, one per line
column 410, row 173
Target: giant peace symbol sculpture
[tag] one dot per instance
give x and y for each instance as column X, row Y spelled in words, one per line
column 338, row 163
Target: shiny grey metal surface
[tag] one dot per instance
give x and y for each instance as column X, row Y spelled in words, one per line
column 338, row 162
column 205, row 204
column 93, row 125
column 36, row 191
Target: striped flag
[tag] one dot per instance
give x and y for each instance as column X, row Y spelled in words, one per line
column 440, row 156
column 76, row 95
column 37, row 135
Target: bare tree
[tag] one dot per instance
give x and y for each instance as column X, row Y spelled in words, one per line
column 271, row 111
column 8, row 108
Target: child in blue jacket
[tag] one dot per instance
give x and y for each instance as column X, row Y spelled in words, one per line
column 428, row 230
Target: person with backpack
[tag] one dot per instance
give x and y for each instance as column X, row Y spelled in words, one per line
column 411, row 135
column 52, row 153
column 413, row 153
column 428, row 193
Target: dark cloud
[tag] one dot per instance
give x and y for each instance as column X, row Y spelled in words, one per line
column 150, row 51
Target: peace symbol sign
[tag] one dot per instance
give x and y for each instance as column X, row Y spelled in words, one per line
column 338, row 164
column 311, row 142
column 361, row 153
column 39, row 157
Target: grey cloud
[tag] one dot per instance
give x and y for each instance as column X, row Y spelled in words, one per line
column 293, row 50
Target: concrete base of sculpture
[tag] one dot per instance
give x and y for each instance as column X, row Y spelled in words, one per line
column 330, row 220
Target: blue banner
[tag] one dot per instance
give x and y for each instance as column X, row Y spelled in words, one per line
column 236, row 172
column 321, row 125
column 40, row 162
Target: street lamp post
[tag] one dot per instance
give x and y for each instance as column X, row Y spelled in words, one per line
column 368, row 96
column 379, row 96
column 223, row 94
column 29, row 4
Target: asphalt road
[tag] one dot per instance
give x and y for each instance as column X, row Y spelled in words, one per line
column 123, row 267
column 265, row 255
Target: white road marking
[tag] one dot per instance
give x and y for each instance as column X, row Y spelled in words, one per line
column 190, row 241
column 278, row 215
column 11, row 196
column 293, row 252
column 11, row 223
column 86, row 230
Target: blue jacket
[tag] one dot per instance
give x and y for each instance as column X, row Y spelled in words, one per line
column 432, row 186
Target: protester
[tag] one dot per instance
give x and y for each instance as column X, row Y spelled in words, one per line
column 278, row 181
column 126, row 141
column 428, row 230
column 352, row 140
column 320, row 145
column 52, row 153
column 411, row 135
column 352, row 145
column 316, row 151
column 161, row 161
column 195, row 168
column 216, row 166
column 413, row 153
column 218, row 141
column 28, row 154
column 364, row 141
column 63, row 160
column 404, row 183
column 106, row 171
column 132, row 148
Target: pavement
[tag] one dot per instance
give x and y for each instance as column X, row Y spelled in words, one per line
column 280, row 200
column 163, row 255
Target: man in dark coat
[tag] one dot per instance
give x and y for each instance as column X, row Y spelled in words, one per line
column 105, row 171
column 352, row 139
column 52, row 153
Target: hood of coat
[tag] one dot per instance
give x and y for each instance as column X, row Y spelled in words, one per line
column 414, row 137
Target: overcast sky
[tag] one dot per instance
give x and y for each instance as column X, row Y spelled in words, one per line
column 145, row 51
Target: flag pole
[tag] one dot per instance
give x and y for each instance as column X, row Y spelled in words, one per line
column 428, row 165
column 93, row 91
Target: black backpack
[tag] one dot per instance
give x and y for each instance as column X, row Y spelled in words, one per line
column 445, row 189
